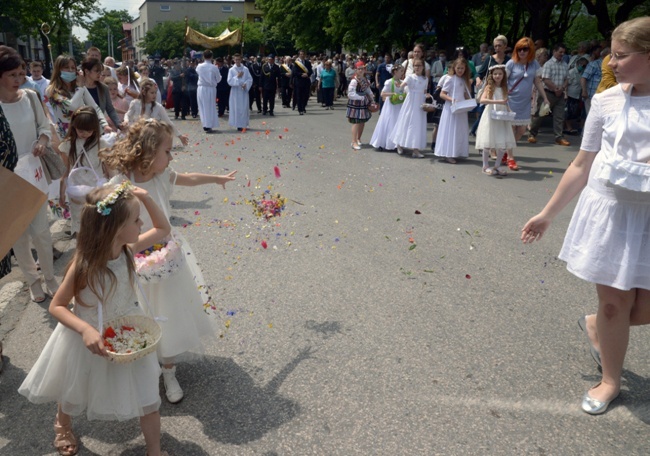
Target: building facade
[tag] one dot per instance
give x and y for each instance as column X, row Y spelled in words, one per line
column 207, row 12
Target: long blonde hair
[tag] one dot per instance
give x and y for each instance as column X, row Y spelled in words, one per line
column 466, row 74
column 491, row 85
column 635, row 33
column 144, row 89
column 95, row 244
column 138, row 149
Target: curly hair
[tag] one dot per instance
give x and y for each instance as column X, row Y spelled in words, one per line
column 146, row 85
column 138, row 149
column 491, row 83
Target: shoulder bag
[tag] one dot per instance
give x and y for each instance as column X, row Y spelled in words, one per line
column 615, row 170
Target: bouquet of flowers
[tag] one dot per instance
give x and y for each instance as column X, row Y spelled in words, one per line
column 159, row 261
column 268, row 206
column 131, row 337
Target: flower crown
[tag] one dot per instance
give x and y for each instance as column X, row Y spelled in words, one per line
column 496, row 67
column 104, row 206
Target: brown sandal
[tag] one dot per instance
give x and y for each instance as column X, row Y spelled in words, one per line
column 65, row 441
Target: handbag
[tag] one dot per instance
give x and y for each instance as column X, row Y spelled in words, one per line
column 51, row 161
column 617, row 171
column 396, row 98
column 463, row 105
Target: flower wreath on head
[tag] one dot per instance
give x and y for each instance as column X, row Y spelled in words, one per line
column 496, row 67
column 104, row 206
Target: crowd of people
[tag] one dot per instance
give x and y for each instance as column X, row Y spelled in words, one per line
column 82, row 107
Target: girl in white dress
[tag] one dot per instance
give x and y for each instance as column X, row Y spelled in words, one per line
column 81, row 146
column 146, row 107
column 410, row 130
column 390, row 111
column 493, row 134
column 608, row 237
column 143, row 157
column 453, row 131
column 73, row 369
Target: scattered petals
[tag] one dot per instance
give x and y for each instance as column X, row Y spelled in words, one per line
column 277, row 171
column 418, row 212
column 467, row 276
column 264, row 244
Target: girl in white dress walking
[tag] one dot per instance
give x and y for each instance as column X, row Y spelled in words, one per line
column 453, row 131
column 393, row 96
column 493, row 134
column 73, row 369
column 608, row 237
column 143, row 157
column 410, row 130
column 146, row 107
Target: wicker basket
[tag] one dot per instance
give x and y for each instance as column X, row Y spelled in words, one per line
column 157, row 271
column 428, row 107
column 141, row 322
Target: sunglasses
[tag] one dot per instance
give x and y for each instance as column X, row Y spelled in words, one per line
column 524, row 49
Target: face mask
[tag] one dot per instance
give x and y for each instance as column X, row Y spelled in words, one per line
column 581, row 69
column 68, row 76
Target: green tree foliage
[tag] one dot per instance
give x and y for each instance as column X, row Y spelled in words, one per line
column 254, row 36
column 167, row 38
column 98, row 29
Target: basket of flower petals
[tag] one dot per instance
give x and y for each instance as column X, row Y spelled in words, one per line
column 159, row 261
column 131, row 337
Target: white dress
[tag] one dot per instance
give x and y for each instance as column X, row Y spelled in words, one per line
column 206, row 94
column 180, row 298
column 410, row 129
column 453, row 131
column 491, row 133
column 88, row 160
column 387, row 119
column 158, row 112
column 608, row 239
column 239, row 109
column 68, row 373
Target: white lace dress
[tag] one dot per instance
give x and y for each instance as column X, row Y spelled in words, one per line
column 180, row 298
column 453, row 131
column 387, row 119
column 491, row 133
column 68, row 373
column 410, row 128
column 608, row 239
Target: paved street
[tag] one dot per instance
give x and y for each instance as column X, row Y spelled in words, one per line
column 394, row 310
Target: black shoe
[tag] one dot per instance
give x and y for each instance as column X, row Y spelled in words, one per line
column 259, row 112
column 264, row 113
column 183, row 118
column 240, row 129
column 207, row 130
column 433, row 147
column 293, row 108
column 302, row 113
column 271, row 114
column 175, row 117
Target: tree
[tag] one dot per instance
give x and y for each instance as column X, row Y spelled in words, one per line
column 601, row 9
column 167, row 38
column 28, row 15
column 98, row 28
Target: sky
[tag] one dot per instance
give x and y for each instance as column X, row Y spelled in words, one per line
column 130, row 5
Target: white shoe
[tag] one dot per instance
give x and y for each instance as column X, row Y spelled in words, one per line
column 355, row 146
column 400, row 151
column 173, row 390
column 51, row 286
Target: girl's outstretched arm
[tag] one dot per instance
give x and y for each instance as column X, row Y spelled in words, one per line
column 193, row 179
column 574, row 180
column 60, row 310
column 161, row 227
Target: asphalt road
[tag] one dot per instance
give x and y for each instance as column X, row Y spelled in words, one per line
column 394, row 310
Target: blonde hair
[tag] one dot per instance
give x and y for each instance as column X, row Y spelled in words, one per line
column 144, row 89
column 491, row 85
column 58, row 85
column 138, row 149
column 95, row 244
column 635, row 33
column 466, row 74
column 501, row 38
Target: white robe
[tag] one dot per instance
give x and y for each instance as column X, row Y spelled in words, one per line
column 239, row 107
column 206, row 94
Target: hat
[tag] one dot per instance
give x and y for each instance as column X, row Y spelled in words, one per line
column 271, row 56
column 359, row 64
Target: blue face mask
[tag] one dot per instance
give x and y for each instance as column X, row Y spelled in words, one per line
column 68, row 76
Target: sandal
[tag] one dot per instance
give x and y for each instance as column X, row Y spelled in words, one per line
column 513, row 165
column 489, row 171
column 36, row 292
column 65, row 441
column 450, row 160
column 417, row 155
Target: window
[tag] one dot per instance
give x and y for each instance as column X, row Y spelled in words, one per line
column 226, row 9
column 144, row 28
column 165, row 8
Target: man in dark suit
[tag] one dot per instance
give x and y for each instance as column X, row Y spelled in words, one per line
column 269, row 82
column 302, row 81
column 255, row 70
column 223, row 89
column 286, row 82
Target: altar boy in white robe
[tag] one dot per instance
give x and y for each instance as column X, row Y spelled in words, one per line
column 240, row 81
column 209, row 77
